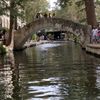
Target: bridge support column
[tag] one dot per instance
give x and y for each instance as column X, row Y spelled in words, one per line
column 85, row 37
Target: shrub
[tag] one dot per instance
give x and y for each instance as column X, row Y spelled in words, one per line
column 2, row 49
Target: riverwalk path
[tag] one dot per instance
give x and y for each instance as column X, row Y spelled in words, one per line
column 93, row 48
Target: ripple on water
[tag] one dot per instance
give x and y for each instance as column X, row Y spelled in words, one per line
column 51, row 88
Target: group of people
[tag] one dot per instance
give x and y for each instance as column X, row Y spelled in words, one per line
column 95, row 34
column 45, row 15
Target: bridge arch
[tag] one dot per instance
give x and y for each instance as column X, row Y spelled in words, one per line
column 21, row 35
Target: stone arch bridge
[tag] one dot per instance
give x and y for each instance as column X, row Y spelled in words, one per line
column 21, row 35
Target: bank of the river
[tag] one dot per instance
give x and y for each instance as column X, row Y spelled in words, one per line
column 93, row 49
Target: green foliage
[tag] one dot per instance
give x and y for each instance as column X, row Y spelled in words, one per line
column 3, row 7
column 79, row 3
column 33, row 36
column 98, row 2
column 63, row 3
column 67, row 11
column 2, row 49
column 17, row 9
column 97, row 8
column 74, row 10
column 27, row 9
column 31, row 8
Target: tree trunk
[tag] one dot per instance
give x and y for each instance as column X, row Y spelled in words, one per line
column 15, row 23
column 90, row 12
column 11, row 22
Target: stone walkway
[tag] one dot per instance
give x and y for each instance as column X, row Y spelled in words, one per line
column 93, row 48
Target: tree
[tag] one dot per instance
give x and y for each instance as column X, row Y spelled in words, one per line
column 14, row 12
column 11, row 8
column 20, row 9
column 34, row 7
column 90, row 12
column 74, row 10
column 89, row 9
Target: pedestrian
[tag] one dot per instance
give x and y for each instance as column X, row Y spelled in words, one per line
column 45, row 15
column 49, row 15
column 94, row 34
column 41, row 15
column 38, row 15
column 53, row 15
column 98, row 35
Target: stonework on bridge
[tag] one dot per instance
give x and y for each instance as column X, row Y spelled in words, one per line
column 22, row 35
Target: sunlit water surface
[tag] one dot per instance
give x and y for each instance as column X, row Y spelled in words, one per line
column 52, row 71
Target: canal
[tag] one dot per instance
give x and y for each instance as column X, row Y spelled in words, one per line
column 52, row 71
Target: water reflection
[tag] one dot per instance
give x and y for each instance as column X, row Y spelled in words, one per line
column 56, row 71
column 6, row 72
column 9, row 78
